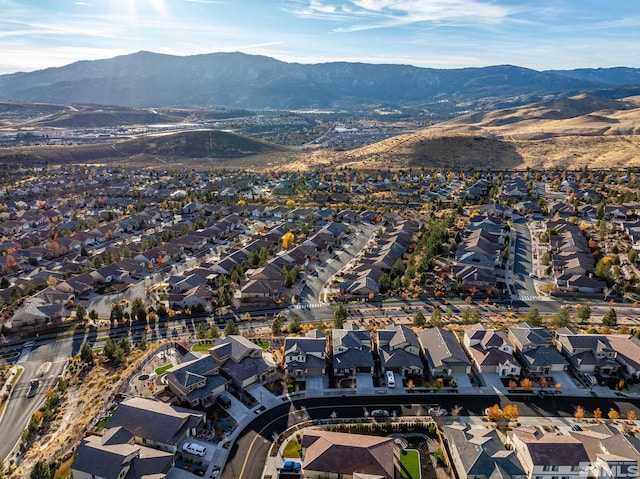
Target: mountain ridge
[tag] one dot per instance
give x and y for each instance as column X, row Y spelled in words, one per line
column 239, row 80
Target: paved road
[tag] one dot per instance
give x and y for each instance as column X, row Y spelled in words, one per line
column 247, row 457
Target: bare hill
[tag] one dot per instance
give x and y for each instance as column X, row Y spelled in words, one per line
column 575, row 132
column 194, row 148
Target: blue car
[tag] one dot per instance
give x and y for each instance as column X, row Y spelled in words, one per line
column 291, row 466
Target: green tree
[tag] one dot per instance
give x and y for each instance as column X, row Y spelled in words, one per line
column 534, row 318
column 143, row 341
column 584, row 312
column 42, row 470
column 213, row 332
column 276, row 325
column 201, row 331
column 93, row 315
column 610, row 318
column 340, row 316
column 561, row 318
column 419, row 320
column 436, row 318
column 81, row 312
column 86, row 353
column 295, row 325
column 231, row 328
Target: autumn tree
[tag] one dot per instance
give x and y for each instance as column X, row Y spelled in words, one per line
column 613, row 414
column 494, row 413
column 526, row 384
column 287, row 240
column 579, row 413
column 597, row 413
column 511, row 412
column 631, row 415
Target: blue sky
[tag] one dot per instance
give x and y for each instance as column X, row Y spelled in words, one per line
column 539, row 34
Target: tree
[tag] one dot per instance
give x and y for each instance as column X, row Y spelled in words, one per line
column 534, row 318
column 597, row 413
column 526, row 384
column 494, row 413
column 231, row 328
column 561, row 318
column 81, row 312
column 93, row 315
column 419, row 320
column 511, row 412
column 201, row 331
column 579, row 413
column 436, row 318
column 513, row 385
column 610, row 318
column 631, row 415
column 439, row 383
column 86, row 353
column 276, row 326
column 543, row 382
column 584, row 312
column 213, row 332
column 613, row 414
column 42, row 470
column 339, row 316
column 295, row 325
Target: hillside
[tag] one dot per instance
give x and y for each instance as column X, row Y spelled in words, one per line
column 238, row 80
column 570, row 132
column 202, row 148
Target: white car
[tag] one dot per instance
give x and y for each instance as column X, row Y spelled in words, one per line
column 437, row 411
column 380, row 413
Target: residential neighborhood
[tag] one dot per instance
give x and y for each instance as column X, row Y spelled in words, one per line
column 226, row 295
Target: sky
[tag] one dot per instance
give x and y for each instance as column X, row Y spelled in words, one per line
column 537, row 34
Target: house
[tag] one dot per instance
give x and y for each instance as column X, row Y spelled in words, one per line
column 480, row 454
column 114, row 455
column 443, row 354
column 242, row 361
column 538, row 453
column 612, row 454
column 490, row 351
column 155, row 424
column 588, row 353
column 399, row 350
column 305, row 356
column 352, row 351
column 335, row 455
column 197, row 382
column 627, row 349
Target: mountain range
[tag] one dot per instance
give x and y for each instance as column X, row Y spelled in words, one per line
column 238, row 80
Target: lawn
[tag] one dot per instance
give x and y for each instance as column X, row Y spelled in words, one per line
column 263, row 343
column 410, row 464
column 200, row 347
column 292, row 449
column 163, row 369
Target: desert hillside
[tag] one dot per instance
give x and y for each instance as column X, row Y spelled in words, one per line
column 575, row 132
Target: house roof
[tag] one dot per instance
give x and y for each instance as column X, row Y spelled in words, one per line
column 153, row 420
column 94, row 457
column 543, row 448
column 341, row 453
column 442, row 349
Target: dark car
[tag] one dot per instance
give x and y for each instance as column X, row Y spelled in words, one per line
column 576, row 428
column 33, row 388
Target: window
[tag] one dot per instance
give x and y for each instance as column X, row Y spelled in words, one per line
column 546, row 468
column 554, row 468
column 574, row 469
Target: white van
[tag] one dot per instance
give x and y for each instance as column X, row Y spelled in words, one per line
column 195, row 449
column 391, row 379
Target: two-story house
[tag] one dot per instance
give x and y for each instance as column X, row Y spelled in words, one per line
column 539, row 455
column 491, row 351
column 588, row 353
column 534, row 348
column 399, row 351
column 352, row 351
column 305, row 356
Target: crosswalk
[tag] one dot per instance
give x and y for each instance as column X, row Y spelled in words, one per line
column 308, row 305
column 530, row 297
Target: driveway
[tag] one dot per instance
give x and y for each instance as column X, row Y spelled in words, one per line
column 314, row 386
column 364, row 383
column 462, row 380
column 493, row 381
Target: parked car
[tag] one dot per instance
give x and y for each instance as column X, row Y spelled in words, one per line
column 576, row 428
column 544, row 394
column 380, row 413
column 291, row 466
column 437, row 411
